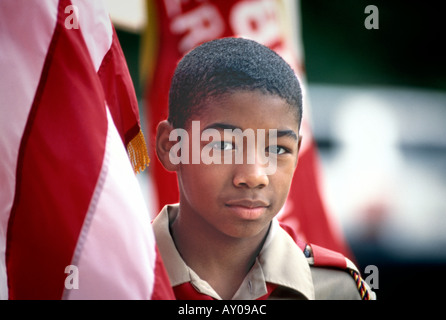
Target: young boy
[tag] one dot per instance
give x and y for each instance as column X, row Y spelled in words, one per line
column 222, row 241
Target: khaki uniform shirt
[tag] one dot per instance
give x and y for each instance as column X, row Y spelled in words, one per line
column 280, row 262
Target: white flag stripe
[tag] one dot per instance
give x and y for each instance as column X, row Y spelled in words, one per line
column 119, row 241
column 95, row 25
column 26, row 29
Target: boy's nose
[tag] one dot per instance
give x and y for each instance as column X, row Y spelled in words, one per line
column 250, row 176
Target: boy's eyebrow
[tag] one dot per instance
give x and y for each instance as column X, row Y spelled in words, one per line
column 223, row 126
column 287, row 133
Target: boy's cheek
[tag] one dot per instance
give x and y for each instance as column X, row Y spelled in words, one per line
column 286, row 167
column 203, row 174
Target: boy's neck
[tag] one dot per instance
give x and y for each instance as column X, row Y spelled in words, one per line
column 221, row 260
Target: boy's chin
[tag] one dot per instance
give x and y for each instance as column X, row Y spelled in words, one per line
column 247, row 230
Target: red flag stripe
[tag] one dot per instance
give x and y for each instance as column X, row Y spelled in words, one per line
column 123, row 105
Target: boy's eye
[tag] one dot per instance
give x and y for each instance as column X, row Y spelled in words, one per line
column 276, row 150
column 222, row 145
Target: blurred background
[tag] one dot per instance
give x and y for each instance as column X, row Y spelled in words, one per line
column 378, row 101
column 378, row 115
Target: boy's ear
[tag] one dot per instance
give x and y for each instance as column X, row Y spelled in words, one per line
column 163, row 145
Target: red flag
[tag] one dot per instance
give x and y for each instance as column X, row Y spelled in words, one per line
column 73, row 222
column 183, row 25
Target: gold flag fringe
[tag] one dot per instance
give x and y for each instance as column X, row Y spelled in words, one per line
column 137, row 151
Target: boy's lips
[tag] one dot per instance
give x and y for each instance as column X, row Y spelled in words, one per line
column 248, row 203
column 247, row 209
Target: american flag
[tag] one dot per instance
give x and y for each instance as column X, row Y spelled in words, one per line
column 73, row 221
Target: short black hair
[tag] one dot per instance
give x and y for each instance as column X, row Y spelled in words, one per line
column 225, row 66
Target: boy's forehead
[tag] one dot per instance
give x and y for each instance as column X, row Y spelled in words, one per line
column 245, row 109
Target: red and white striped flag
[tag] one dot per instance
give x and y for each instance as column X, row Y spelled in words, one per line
column 73, row 221
column 175, row 27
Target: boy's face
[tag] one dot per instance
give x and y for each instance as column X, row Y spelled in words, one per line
column 239, row 200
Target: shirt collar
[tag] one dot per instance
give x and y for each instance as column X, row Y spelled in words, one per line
column 279, row 262
column 283, row 262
